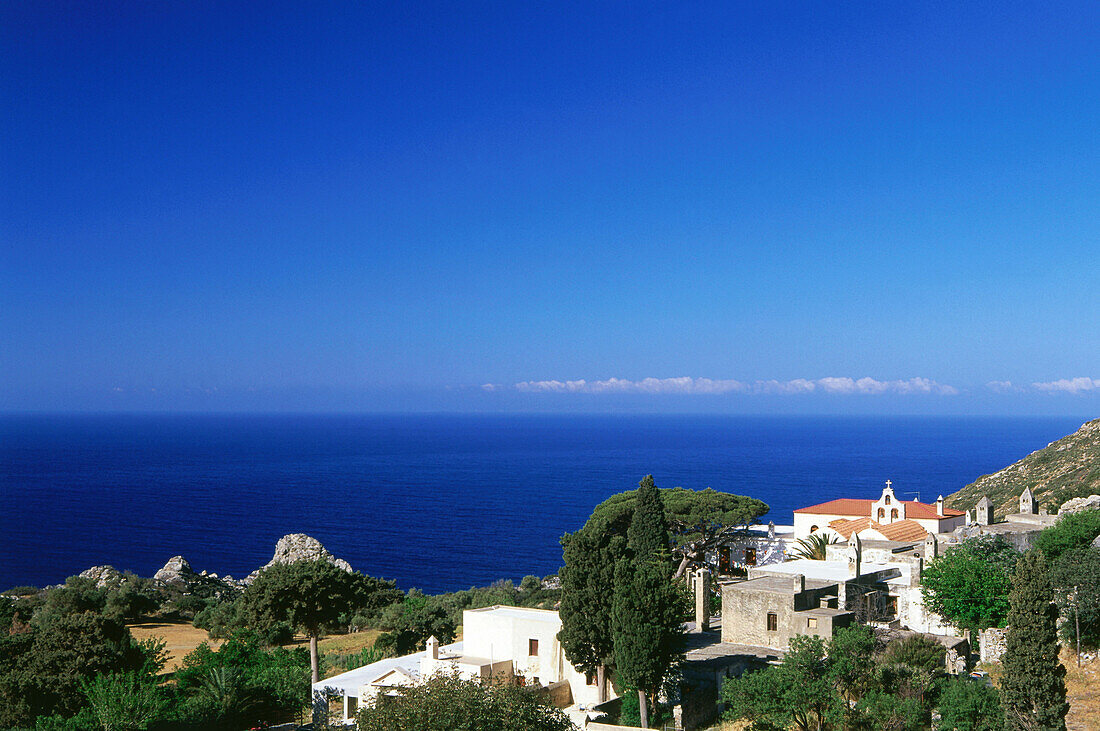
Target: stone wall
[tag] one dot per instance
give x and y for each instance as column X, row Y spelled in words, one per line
column 992, row 643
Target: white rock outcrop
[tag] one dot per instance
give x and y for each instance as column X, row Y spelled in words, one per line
column 176, row 571
column 1079, row 504
column 299, row 547
column 102, row 575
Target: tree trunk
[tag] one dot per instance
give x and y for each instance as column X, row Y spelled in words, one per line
column 313, row 663
column 643, row 708
column 601, row 683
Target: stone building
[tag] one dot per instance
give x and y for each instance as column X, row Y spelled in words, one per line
column 768, row 611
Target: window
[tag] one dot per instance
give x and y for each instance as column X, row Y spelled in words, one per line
column 887, row 499
column 811, row 622
column 894, row 514
column 532, row 647
column 750, row 556
column 881, row 513
column 773, row 622
column 891, row 606
column 813, row 529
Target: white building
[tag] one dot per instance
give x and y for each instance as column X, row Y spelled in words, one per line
column 884, row 519
column 507, row 644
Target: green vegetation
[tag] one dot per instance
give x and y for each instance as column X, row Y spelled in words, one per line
column 968, row 585
column 1033, row 685
column 969, row 706
column 1076, row 579
column 1076, row 530
column 697, row 520
column 1075, row 575
column 1068, row 468
column 848, row 682
column 68, row 662
column 311, row 596
column 241, row 682
column 449, row 703
column 590, row 557
column 409, row 625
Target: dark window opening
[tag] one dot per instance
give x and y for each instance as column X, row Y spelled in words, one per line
column 532, row 647
column 750, row 556
column 773, row 622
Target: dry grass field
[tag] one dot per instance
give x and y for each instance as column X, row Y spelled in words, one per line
column 1083, row 691
column 343, row 644
column 181, row 637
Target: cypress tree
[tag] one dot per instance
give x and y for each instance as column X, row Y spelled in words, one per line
column 1033, row 689
column 646, row 624
column 587, row 582
column 647, row 535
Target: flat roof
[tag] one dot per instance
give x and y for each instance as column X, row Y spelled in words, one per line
column 834, row 571
column 348, row 683
column 540, row 615
column 778, row 584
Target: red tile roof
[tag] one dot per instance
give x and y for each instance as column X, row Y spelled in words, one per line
column 900, row 530
column 847, row 527
column 860, row 508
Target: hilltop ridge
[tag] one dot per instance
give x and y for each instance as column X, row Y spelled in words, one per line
column 1064, row 469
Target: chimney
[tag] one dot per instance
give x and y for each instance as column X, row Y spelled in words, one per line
column 433, row 647
column 939, row 506
column 702, row 600
column 916, row 570
column 855, row 556
column 931, row 547
column 798, row 583
column 771, row 529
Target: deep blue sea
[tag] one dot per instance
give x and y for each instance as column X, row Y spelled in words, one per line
column 438, row 502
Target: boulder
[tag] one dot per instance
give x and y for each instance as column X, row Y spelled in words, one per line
column 102, row 575
column 1079, row 504
column 299, row 547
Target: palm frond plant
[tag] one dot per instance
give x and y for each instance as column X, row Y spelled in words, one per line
column 814, row 546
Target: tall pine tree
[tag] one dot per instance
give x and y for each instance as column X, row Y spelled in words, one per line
column 646, row 624
column 1033, row 689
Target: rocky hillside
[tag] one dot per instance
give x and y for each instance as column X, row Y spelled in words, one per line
column 1065, row 469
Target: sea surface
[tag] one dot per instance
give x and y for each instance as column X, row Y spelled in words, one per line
column 439, row 502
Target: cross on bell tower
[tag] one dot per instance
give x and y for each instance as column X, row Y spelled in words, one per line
column 888, row 483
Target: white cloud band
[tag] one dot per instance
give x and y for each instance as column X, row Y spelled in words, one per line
column 688, row 385
column 1068, row 385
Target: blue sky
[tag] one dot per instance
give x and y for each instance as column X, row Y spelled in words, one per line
column 472, row 206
